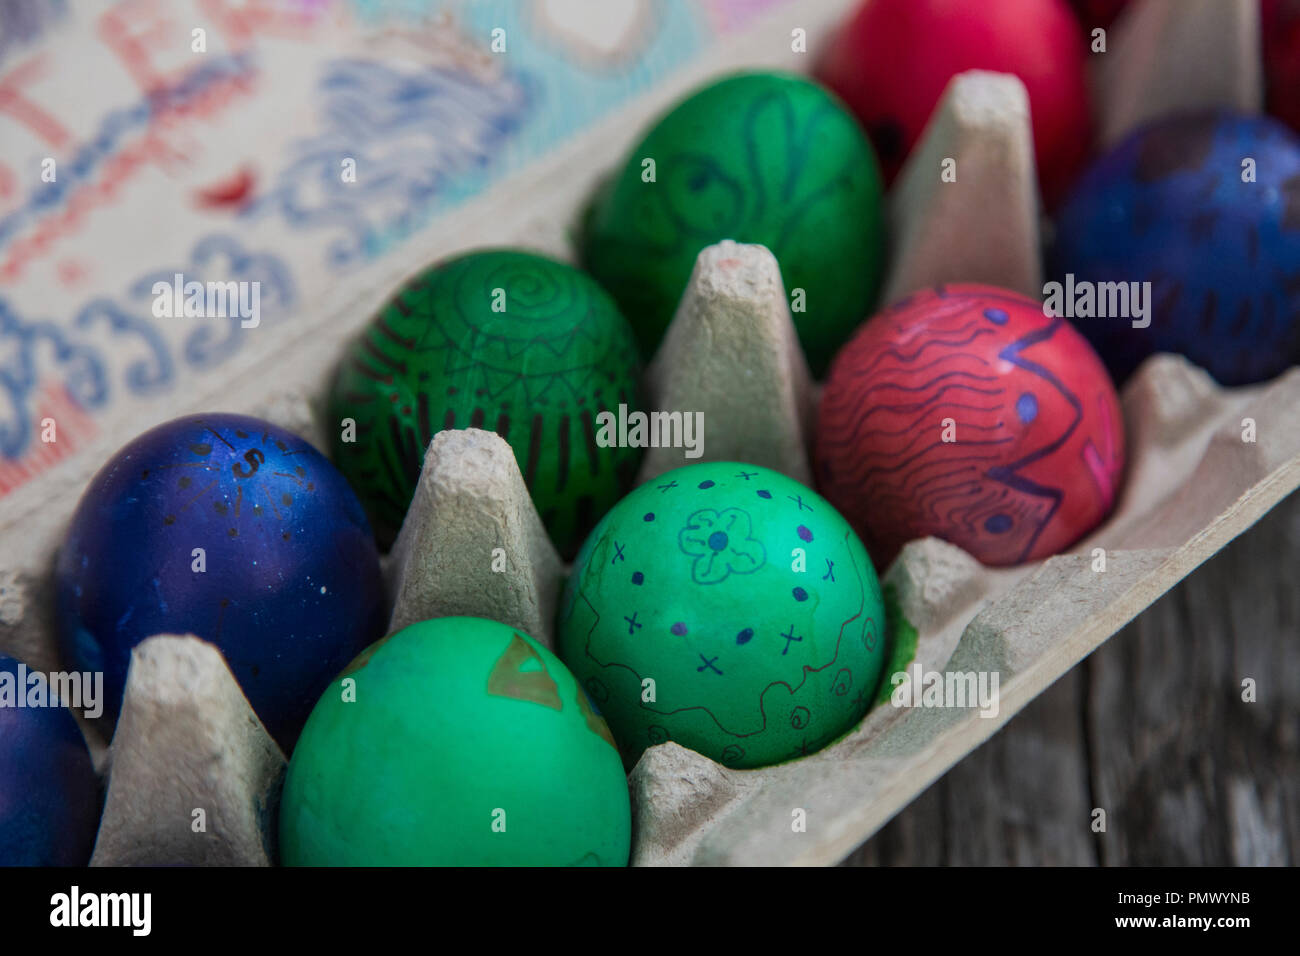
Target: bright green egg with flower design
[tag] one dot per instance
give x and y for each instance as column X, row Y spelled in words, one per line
column 764, row 158
column 730, row 609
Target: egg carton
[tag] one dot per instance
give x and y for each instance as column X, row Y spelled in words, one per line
column 187, row 739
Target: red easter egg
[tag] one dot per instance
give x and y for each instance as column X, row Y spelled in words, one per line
column 966, row 413
column 892, row 61
column 1281, row 22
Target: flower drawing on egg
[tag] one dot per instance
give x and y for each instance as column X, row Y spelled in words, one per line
column 721, row 544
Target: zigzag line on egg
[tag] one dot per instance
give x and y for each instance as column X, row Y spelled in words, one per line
column 897, row 482
column 1008, row 474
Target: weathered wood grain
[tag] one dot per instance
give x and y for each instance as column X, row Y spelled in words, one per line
column 1151, row 728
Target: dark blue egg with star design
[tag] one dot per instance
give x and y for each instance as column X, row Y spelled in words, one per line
column 1206, row 208
column 233, row 530
column 49, row 794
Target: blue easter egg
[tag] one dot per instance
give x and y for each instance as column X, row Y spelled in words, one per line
column 233, row 530
column 1206, row 208
column 49, row 795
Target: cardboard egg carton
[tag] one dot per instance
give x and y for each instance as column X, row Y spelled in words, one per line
column 187, row 739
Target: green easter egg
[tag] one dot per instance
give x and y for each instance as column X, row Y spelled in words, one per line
column 747, row 600
column 508, row 341
column 763, row 158
column 461, row 742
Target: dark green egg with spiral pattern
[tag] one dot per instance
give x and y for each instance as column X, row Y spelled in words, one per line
column 764, row 158
column 502, row 340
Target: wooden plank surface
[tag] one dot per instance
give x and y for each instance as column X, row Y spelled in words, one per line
column 1151, row 728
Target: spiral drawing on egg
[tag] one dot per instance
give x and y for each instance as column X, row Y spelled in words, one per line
column 504, row 341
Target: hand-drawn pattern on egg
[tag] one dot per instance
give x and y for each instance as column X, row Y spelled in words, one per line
column 746, row 599
column 763, row 158
column 965, row 413
column 503, row 340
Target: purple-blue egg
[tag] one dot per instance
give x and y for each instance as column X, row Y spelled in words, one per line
column 49, row 795
column 236, row 531
column 1206, row 208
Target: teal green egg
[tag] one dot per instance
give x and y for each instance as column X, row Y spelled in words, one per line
column 727, row 608
column 767, row 158
column 455, row 742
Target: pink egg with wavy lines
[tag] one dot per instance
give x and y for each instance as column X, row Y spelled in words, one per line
column 967, row 413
